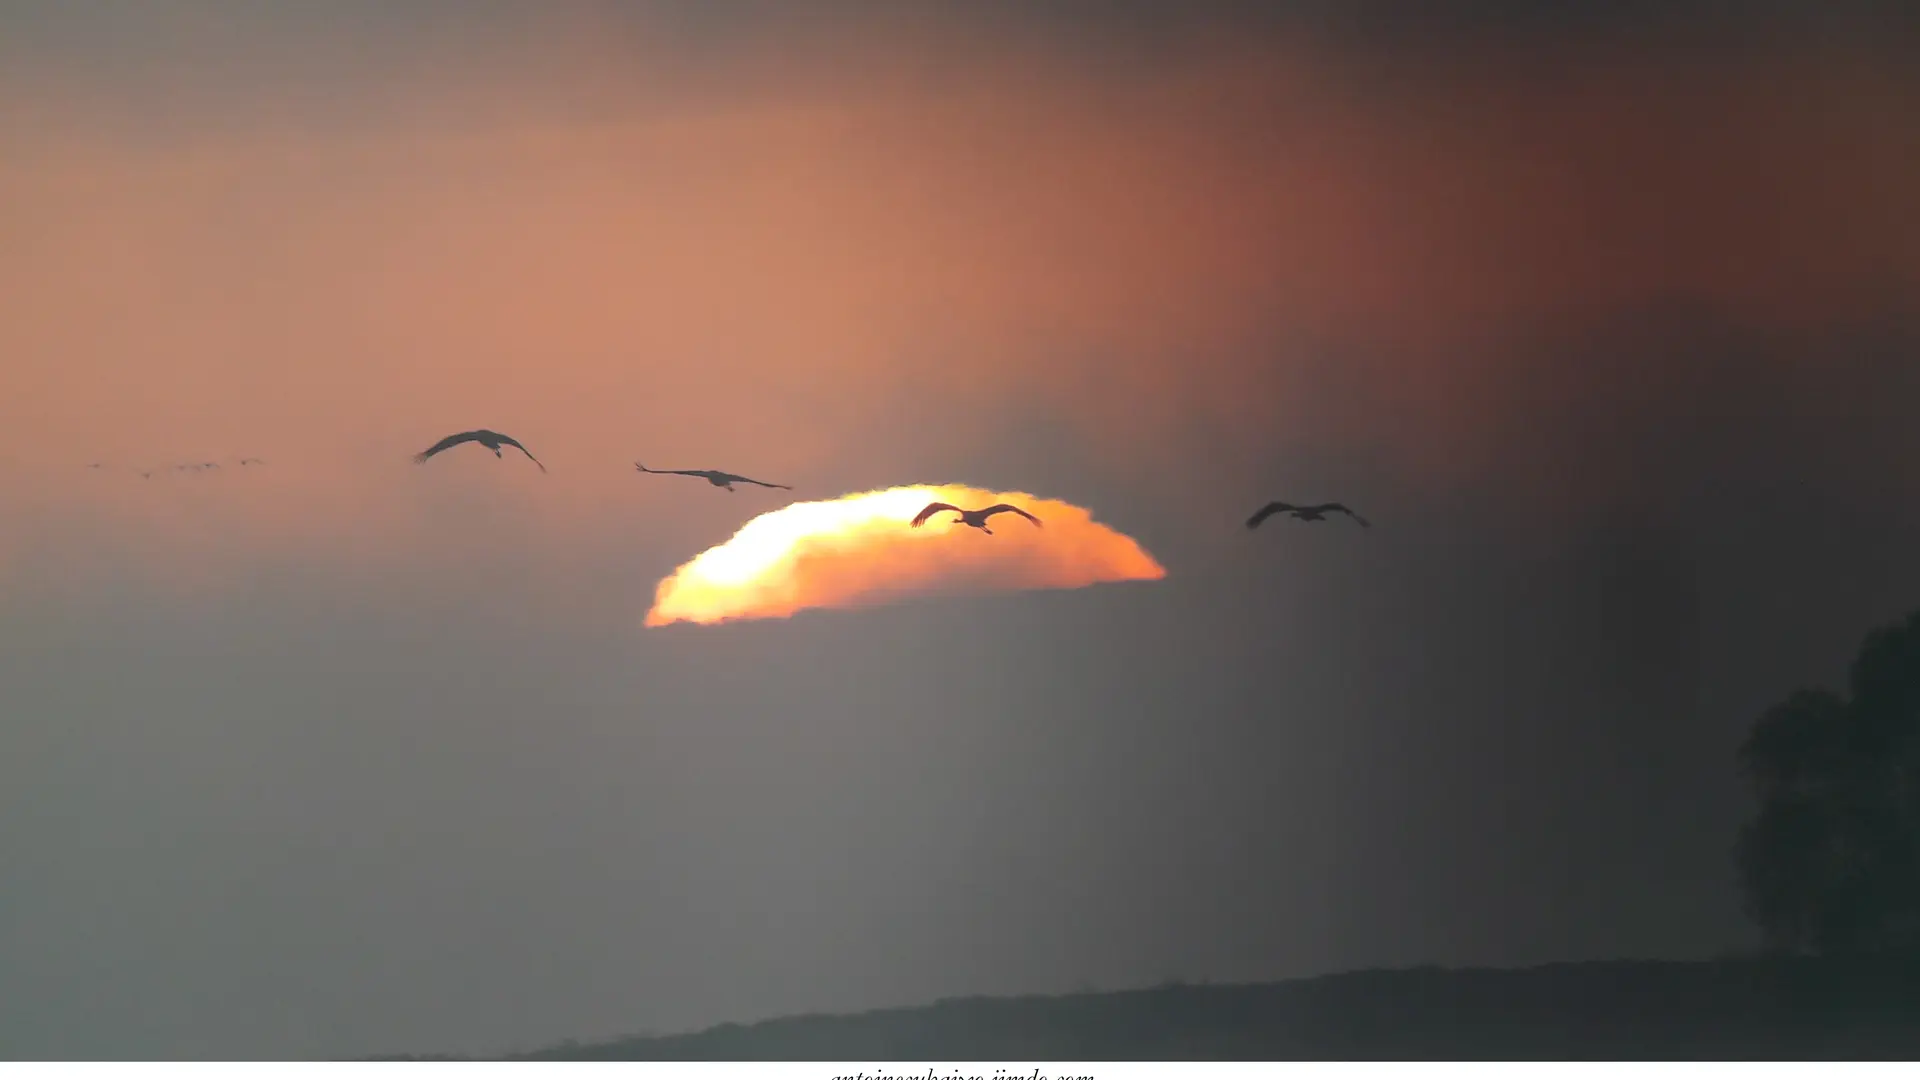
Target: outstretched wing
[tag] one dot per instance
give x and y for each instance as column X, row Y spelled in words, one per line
column 515, row 443
column 920, row 518
column 751, row 480
column 1343, row 508
column 701, row 473
column 449, row 441
column 1268, row 511
column 1008, row 508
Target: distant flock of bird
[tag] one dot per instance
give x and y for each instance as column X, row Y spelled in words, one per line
column 192, row 466
column 496, row 441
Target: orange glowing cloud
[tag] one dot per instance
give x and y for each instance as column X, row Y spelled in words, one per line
column 862, row 549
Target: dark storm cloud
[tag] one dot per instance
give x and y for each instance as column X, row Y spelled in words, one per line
column 234, row 37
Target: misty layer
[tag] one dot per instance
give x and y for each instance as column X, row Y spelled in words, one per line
column 863, row 549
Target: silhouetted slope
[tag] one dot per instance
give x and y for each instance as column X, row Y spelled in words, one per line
column 1734, row 1009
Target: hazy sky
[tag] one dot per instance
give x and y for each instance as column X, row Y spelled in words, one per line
column 1608, row 324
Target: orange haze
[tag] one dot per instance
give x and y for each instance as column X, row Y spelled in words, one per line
column 861, row 549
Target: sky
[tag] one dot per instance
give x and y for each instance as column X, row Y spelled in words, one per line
column 1606, row 322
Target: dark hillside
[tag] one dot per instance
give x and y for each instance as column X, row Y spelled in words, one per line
column 1729, row 1009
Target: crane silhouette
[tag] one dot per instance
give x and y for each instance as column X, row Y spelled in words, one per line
column 1304, row 513
column 975, row 518
column 715, row 477
column 492, row 440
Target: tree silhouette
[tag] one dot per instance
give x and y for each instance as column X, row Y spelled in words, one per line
column 1832, row 861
